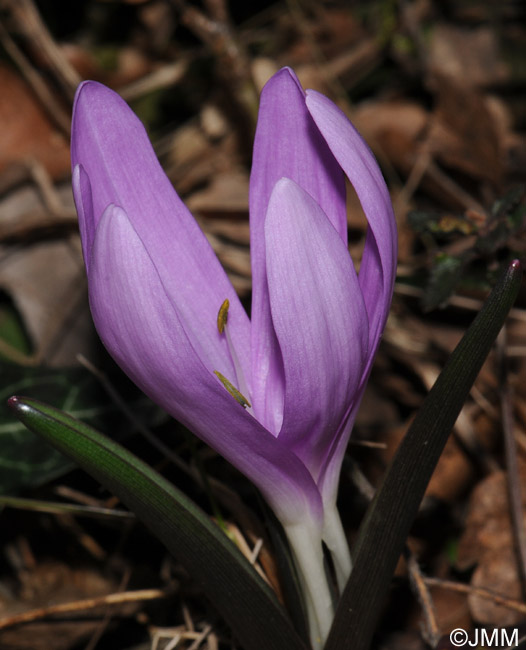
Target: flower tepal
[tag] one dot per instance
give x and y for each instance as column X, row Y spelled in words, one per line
column 276, row 395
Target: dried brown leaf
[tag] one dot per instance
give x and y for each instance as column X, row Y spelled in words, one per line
column 226, row 196
column 488, row 542
column 467, row 55
column 27, row 134
column 497, row 572
column 52, row 583
column 464, row 133
column 45, row 281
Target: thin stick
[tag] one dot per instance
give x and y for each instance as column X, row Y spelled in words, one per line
column 128, row 413
column 27, row 20
column 201, row 638
column 108, row 615
column 167, row 76
column 460, row 588
column 464, row 302
column 512, row 466
column 34, row 79
column 420, row 588
column 83, row 605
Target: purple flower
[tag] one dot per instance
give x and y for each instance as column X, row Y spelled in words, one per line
column 298, row 368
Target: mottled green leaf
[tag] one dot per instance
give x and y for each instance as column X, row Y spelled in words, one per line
column 25, row 459
column 445, row 275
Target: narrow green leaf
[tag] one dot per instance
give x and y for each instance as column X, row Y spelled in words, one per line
column 236, row 590
column 391, row 513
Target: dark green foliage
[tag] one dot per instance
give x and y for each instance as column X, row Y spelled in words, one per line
column 468, row 252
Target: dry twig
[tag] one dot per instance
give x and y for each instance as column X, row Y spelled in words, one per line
column 26, row 20
column 420, row 589
column 512, row 467
column 460, row 588
column 83, row 605
column 35, row 80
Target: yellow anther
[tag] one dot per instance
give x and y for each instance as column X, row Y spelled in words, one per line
column 222, row 316
column 232, row 389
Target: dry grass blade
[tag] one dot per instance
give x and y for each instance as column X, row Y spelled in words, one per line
column 37, row 505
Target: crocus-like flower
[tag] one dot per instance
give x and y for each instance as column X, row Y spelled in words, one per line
column 277, row 394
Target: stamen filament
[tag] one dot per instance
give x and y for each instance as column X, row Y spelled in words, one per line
column 233, row 390
column 222, row 326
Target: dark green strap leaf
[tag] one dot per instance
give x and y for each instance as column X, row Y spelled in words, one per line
column 226, row 577
column 391, row 513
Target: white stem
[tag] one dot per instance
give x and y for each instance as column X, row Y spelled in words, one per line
column 334, row 537
column 308, row 554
